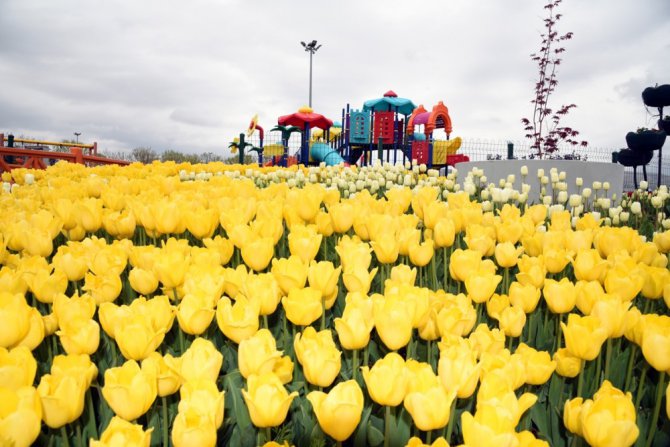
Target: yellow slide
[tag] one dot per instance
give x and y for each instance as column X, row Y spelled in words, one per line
column 442, row 148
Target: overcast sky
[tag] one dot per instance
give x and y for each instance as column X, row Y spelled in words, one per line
column 189, row 75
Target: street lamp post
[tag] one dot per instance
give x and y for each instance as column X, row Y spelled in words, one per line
column 311, row 47
column 76, row 134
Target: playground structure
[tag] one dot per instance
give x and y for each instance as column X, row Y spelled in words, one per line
column 388, row 129
column 34, row 154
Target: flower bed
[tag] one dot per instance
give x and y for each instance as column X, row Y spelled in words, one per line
column 209, row 305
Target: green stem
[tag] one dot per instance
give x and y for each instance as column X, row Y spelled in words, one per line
column 268, row 434
column 559, row 332
column 91, row 414
column 429, row 437
column 509, row 343
column 80, row 441
column 265, row 322
column 629, row 368
column 640, row 387
column 63, row 434
column 580, row 380
column 165, row 423
column 366, row 355
column 608, row 358
column 323, row 313
column 354, row 364
column 452, row 418
column 433, row 272
column 445, row 267
column 429, row 353
column 657, row 409
column 388, row 416
column 598, row 374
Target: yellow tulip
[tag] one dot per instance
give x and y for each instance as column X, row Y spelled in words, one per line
column 143, row 281
column 168, row 380
column 20, row 415
column 195, row 313
column 487, row 428
column 560, row 296
column 496, row 304
column 393, row 317
column 588, row 292
column 624, row 282
column 457, row 319
column 129, row 390
column 655, row 279
column 572, row 415
column 342, row 216
column 109, row 260
column 578, row 240
column 480, row 238
column 317, row 353
column 17, row 367
column 567, row 365
column 430, row 409
column 290, row 273
column 539, row 365
column 267, row 400
column 609, row 419
column 62, row 398
column 221, row 246
column 202, row 360
column 46, row 286
column 339, row 411
column 121, row 431
column 103, row 288
column 192, row 428
column 169, row 218
column 264, row 289
column 257, row 354
column 324, row 224
column 69, row 262
column 387, row 380
column 15, row 316
column 444, row 232
column 531, row 271
column 204, row 397
column 421, row 254
column 584, row 336
column 170, row 268
column 501, row 372
column 403, row 274
column 237, row 321
column 137, row 337
column 417, row 442
column 612, row 314
column 458, row 371
column 201, row 222
column 76, row 365
column 79, row 336
column 533, row 244
column 325, row 277
column 304, row 242
column 487, row 340
column 303, row 306
column 656, row 342
column 512, row 320
column 556, row 259
column 354, row 254
column 507, row 255
column 587, row 222
column 89, row 214
column 481, row 285
column 358, row 280
column 463, row 263
column 386, row 247
column 354, row 327
column 525, row 296
column 588, row 265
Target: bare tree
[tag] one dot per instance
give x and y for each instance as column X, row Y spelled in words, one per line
column 544, row 127
column 144, row 155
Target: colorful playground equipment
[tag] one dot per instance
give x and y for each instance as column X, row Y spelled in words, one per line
column 34, row 154
column 387, row 128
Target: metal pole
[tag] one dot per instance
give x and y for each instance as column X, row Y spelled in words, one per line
column 310, row 78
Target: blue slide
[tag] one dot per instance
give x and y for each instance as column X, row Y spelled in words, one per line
column 322, row 152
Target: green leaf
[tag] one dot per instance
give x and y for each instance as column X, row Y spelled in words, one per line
column 361, row 433
column 375, row 436
column 234, row 400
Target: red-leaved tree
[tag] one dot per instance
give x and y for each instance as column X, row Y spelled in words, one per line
column 544, row 127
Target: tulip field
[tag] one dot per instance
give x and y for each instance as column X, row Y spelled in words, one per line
column 202, row 305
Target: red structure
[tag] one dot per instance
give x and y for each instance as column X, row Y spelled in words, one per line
column 12, row 158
